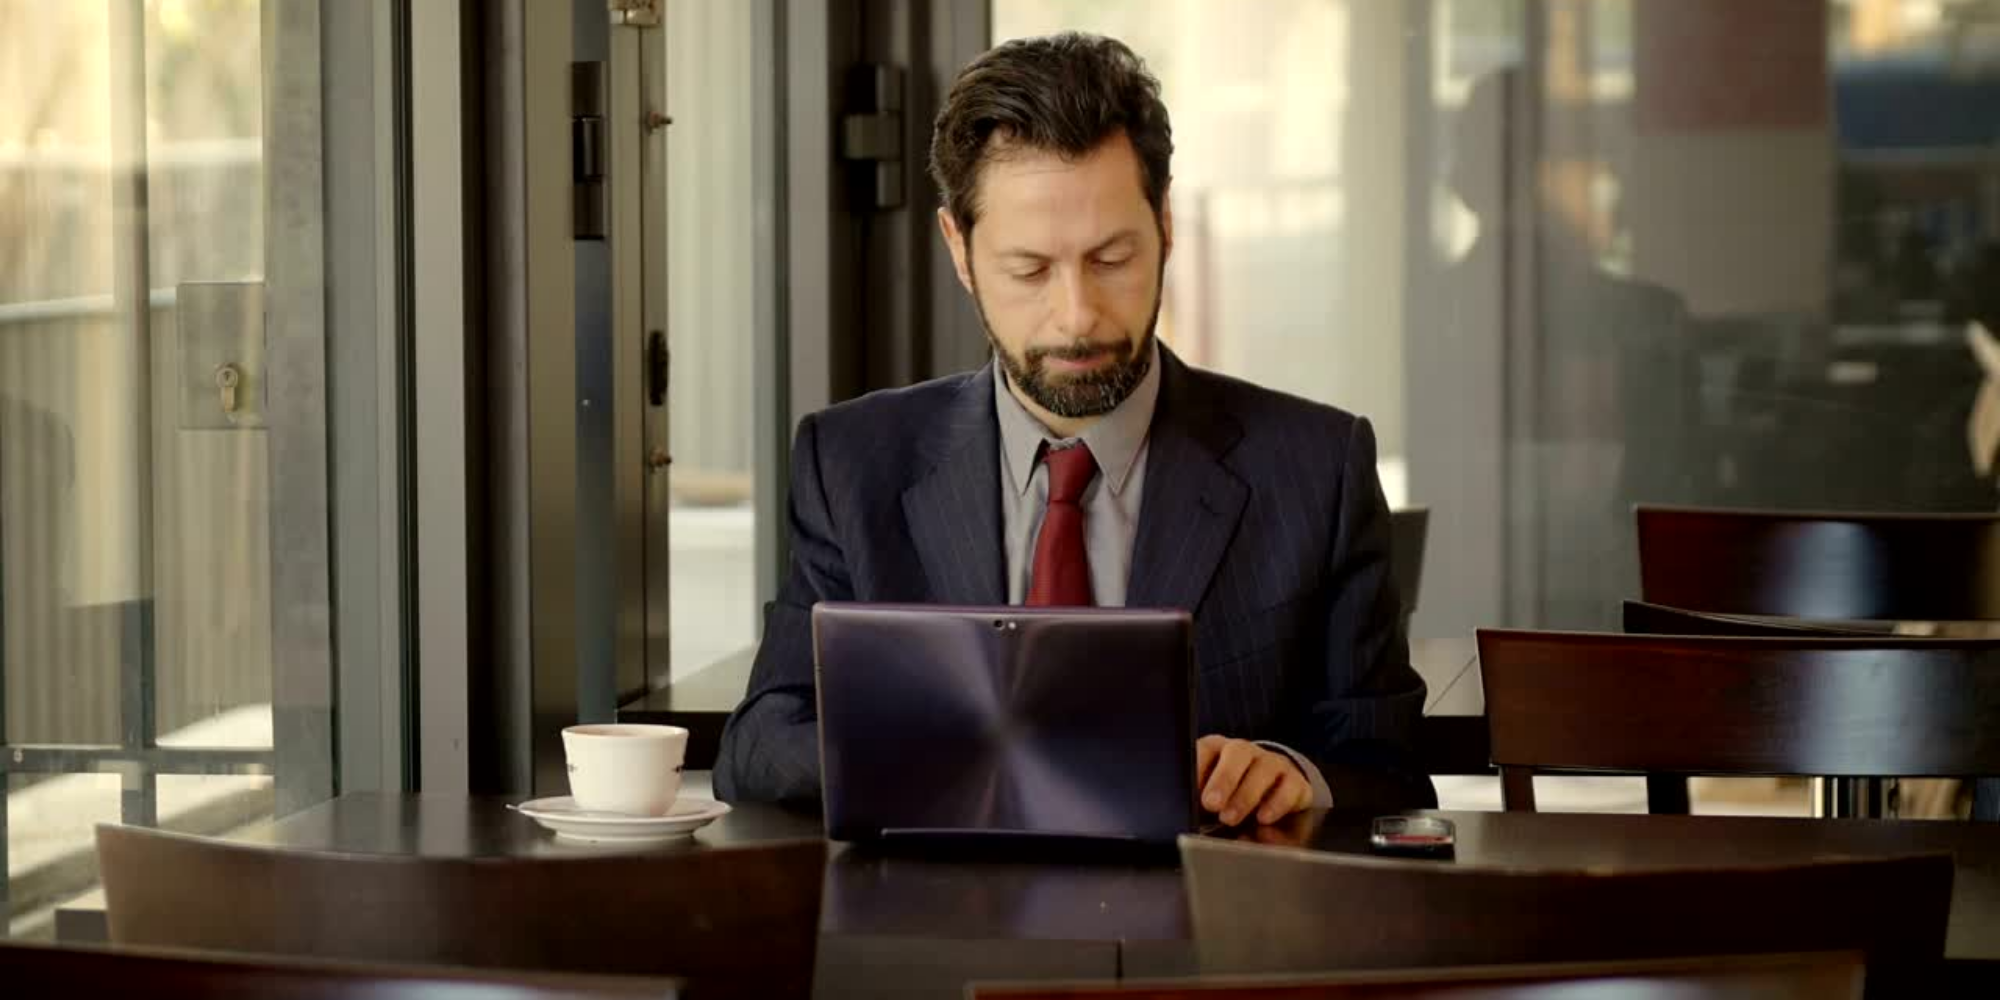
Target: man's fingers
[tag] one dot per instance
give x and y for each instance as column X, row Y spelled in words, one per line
column 1234, row 758
column 1264, row 773
column 1291, row 794
column 1206, row 751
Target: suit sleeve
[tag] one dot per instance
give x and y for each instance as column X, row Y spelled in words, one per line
column 1361, row 731
column 770, row 747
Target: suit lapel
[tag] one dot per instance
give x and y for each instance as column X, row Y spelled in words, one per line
column 1192, row 501
column 953, row 509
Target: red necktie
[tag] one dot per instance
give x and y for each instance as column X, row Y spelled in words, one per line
column 1062, row 566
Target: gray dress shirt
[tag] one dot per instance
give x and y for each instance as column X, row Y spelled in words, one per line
column 1110, row 503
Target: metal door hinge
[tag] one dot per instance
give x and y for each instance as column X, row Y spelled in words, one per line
column 635, row 13
column 589, row 206
column 871, row 136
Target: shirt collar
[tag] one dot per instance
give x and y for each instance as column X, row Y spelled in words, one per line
column 1114, row 440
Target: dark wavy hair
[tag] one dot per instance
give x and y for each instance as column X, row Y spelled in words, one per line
column 1064, row 94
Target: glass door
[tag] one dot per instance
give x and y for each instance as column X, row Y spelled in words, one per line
column 682, row 252
column 164, row 650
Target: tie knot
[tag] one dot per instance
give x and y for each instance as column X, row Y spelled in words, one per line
column 1070, row 470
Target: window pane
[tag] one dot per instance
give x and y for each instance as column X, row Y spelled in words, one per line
column 51, row 846
column 214, row 804
column 60, row 652
column 708, row 272
column 205, row 186
column 1575, row 255
column 136, row 495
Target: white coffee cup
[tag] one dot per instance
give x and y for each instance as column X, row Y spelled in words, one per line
column 630, row 769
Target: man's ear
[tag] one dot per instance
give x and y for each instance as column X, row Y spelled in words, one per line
column 1166, row 223
column 953, row 241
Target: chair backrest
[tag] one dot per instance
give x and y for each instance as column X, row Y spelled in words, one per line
column 1643, row 618
column 1408, row 529
column 1716, row 977
column 737, row 921
column 1668, row 793
column 1730, row 705
column 1262, row 909
column 1896, row 567
column 34, row 972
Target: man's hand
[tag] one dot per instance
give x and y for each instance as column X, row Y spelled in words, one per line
column 1240, row 779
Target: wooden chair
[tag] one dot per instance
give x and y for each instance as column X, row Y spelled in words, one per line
column 34, row 972
column 1730, row 977
column 1883, row 567
column 1667, row 794
column 739, row 921
column 1875, row 567
column 1644, row 618
column 1783, row 705
column 1262, row 909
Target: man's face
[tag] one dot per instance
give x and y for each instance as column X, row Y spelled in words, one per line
column 1065, row 266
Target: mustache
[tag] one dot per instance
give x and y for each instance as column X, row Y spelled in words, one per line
column 1079, row 350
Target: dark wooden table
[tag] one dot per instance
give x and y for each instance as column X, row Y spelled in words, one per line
column 940, row 922
column 1452, row 740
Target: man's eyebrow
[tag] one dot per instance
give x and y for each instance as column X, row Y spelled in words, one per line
column 1029, row 256
column 1121, row 236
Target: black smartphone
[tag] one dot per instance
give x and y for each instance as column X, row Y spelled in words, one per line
column 1413, row 836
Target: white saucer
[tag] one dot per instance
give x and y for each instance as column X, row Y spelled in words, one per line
column 560, row 814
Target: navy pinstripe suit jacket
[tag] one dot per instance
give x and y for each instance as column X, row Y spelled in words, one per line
column 1262, row 514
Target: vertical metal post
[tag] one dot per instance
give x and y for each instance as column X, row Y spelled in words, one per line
column 295, row 300
column 131, row 291
column 598, row 255
column 1421, row 277
column 6, row 891
column 651, row 419
column 1521, row 480
column 958, row 31
column 635, row 147
column 771, row 378
column 445, row 416
column 367, row 186
column 6, row 782
column 138, row 803
column 397, row 372
column 548, row 271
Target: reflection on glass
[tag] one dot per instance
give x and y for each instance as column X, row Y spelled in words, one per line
column 1284, row 268
column 210, row 488
column 60, row 653
column 707, row 276
column 51, row 847
column 135, row 608
column 1575, row 255
column 214, row 804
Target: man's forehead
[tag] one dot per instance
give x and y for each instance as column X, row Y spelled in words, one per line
column 1038, row 200
column 1112, row 164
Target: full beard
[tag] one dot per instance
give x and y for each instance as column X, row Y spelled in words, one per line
column 1092, row 393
